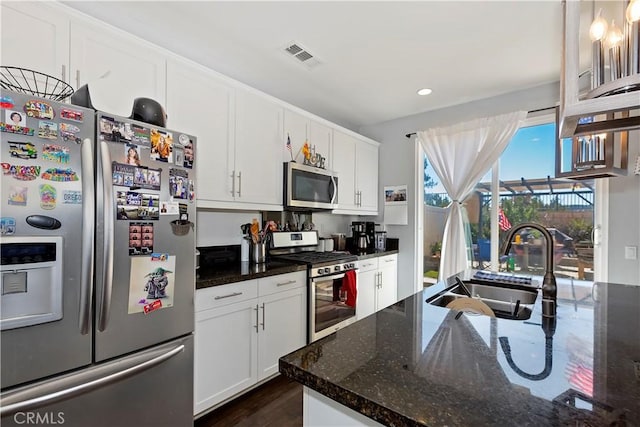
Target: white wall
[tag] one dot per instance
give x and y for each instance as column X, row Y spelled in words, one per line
column 215, row 228
column 327, row 223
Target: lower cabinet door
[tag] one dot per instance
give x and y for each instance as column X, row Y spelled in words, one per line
column 226, row 352
column 282, row 328
column 388, row 290
column 366, row 299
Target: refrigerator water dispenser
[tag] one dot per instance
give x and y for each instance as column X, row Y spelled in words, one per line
column 30, row 281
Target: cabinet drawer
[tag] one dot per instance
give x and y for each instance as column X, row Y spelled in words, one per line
column 281, row 282
column 367, row 265
column 219, row 296
column 387, row 261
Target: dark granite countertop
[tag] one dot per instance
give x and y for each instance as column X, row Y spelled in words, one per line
column 417, row 364
column 237, row 272
column 374, row 254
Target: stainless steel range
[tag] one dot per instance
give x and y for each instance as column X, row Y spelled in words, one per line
column 327, row 308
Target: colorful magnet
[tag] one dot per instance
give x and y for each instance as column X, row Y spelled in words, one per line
column 47, row 129
column 132, row 155
column 7, row 226
column 151, row 281
column 6, row 127
column 161, row 143
column 55, row 153
column 178, row 155
column 140, row 134
column 21, row 173
column 179, row 183
column 135, row 176
column 188, row 155
column 18, row 196
column 47, row 196
column 15, row 118
column 76, row 116
column 157, row 256
column 6, row 102
column 134, row 206
column 155, row 305
column 115, row 131
column 60, row 175
column 169, row 208
column 68, row 132
column 140, row 238
column 39, row 110
column 71, row 197
column 23, row 150
column 184, row 211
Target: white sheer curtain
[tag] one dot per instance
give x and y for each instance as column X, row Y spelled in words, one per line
column 460, row 155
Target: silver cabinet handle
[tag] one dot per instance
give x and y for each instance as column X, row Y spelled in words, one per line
column 64, row 73
column 77, row 78
column 262, row 317
column 240, row 184
column 107, row 242
column 290, row 282
column 256, row 325
column 235, row 294
column 389, row 260
column 84, row 387
column 379, row 280
column 88, row 229
column 334, row 186
column 233, row 182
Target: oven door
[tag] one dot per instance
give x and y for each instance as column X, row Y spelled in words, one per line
column 328, row 311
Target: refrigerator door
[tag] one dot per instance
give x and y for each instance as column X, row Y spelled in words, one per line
column 145, row 269
column 150, row 388
column 47, row 237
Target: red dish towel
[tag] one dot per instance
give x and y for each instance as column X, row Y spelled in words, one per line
column 349, row 286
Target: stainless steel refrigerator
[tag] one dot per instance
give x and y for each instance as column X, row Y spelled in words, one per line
column 98, row 268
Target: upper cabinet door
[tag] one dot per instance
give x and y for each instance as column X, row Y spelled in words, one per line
column 117, row 66
column 35, row 36
column 296, row 127
column 320, row 136
column 259, row 144
column 200, row 104
column 344, row 163
column 367, row 175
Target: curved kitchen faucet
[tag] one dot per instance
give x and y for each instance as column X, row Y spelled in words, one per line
column 549, row 287
column 549, row 297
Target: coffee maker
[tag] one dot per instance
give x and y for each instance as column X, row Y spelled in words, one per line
column 363, row 236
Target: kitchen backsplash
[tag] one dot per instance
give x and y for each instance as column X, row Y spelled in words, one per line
column 222, row 228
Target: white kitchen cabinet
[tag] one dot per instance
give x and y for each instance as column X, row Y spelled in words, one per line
column 226, row 343
column 301, row 128
column 35, row 36
column 117, row 66
column 201, row 104
column 258, row 150
column 387, row 281
column 377, row 284
column 367, row 287
column 241, row 331
column 356, row 162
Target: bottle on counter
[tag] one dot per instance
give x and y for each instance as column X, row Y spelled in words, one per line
column 244, row 250
column 511, row 264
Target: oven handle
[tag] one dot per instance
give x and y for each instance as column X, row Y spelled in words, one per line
column 330, row 276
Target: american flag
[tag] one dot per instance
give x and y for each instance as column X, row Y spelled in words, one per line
column 503, row 221
column 288, row 143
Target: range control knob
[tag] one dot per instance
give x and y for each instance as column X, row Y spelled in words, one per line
column 346, row 266
column 326, row 270
column 319, row 271
column 336, row 268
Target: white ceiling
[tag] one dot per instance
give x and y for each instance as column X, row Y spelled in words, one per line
column 374, row 55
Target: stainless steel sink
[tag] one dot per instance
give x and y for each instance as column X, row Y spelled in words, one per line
column 506, row 303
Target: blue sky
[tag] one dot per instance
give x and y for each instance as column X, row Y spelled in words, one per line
column 530, row 154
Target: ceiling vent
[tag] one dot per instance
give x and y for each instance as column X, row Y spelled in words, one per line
column 301, row 54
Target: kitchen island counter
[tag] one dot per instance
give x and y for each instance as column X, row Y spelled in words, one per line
column 417, row 364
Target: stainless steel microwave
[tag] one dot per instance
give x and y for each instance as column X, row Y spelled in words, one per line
column 309, row 188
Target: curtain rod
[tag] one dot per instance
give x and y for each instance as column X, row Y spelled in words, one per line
column 409, row 135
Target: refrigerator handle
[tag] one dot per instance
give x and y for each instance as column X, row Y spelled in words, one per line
column 107, row 241
column 81, row 387
column 88, row 229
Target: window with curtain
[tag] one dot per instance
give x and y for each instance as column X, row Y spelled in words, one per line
column 528, row 192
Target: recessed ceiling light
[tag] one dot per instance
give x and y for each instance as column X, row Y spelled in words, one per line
column 425, row 91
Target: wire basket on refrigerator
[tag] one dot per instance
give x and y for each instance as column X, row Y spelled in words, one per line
column 23, row 80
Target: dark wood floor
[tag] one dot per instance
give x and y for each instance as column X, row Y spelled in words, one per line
column 277, row 403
